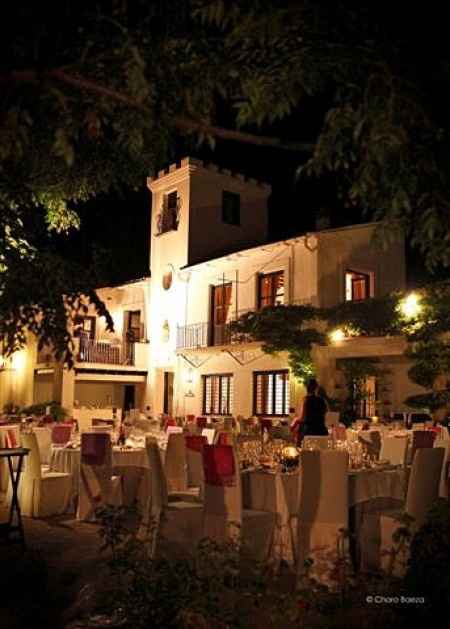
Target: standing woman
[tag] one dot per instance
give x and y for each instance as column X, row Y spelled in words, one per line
column 313, row 414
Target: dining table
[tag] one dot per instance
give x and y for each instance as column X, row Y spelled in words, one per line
column 129, row 462
column 369, row 490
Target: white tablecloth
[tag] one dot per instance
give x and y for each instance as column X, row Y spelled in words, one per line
column 279, row 494
column 128, row 463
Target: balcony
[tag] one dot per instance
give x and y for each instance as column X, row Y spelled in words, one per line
column 198, row 335
column 107, row 353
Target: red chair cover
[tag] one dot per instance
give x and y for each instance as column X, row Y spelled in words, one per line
column 266, row 424
column 94, row 447
column 195, row 442
column 190, row 419
column 218, row 465
column 223, row 439
column 10, row 439
column 201, row 422
column 169, row 422
column 61, row 433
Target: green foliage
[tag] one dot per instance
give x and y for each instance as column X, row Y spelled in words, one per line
column 283, row 329
column 369, row 317
column 429, row 402
column 430, row 550
column 56, row 410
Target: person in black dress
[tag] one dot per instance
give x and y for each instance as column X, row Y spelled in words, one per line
column 313, row 414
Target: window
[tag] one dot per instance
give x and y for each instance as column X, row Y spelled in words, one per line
column 271, row 392
column 271, row 289
column 357, row 286
column 218, row 394
column 133, row 326
column 84, row 327
column 231, row 208
column 220, row 307
column 168, row 218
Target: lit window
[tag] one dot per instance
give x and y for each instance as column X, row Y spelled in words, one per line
column 218, row 394
column 271, row 289
column 231, row 208
column 357, row 286
column 271, row 393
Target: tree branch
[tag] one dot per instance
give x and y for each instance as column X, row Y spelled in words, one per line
column 182, row 123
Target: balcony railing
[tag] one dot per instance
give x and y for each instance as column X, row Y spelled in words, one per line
column 92, row 351
column 204, row 334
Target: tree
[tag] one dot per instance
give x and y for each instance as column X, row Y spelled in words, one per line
column 95, row 95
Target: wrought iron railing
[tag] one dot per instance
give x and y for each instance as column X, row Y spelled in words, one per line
column 92, row 351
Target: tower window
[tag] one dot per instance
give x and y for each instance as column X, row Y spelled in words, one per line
column 357, row 286
column 231, row 208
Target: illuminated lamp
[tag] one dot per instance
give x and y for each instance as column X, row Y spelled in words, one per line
column 337, row 335
column 410, row 307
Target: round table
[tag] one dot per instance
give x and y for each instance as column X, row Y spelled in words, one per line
column 279, row 493
column 130, row 463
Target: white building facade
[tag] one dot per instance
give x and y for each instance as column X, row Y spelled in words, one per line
column 172, row 352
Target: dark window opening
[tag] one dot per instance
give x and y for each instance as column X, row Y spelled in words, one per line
column 231, row 208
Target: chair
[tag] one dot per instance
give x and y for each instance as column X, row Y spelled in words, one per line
column 97, row 484
column 323, row 514
column 394, row 450
column 444, row 481
column 42, row 494
column 5, row 439
column 169, row 421
column 228, row 423
column 178, row 522
column 61, row 434
column 174, row 430
column 378, row 529
column 422, row 439
column 223, row 438
column 107, row 430
column 194, row 448
column 201, row 422
column 209, row 433
column 223, row 515
column 44, row 439
column 176, row 463
column 317, row 443
column 97, row 421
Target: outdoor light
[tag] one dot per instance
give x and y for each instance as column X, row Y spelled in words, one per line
column 410, row 306
column 18, row 361
column 338, row 335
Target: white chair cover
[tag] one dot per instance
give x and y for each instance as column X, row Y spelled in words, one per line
column 378, row 529
column 444, row 482
column 41, row 494
column 97, row 484
column 176, row 463
column 194, row 446
column 209, row 433
column 44, row 439
column 394, row 450
column 178, row 522
column 225, row 519
column 317, row 443
column 323, row 515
